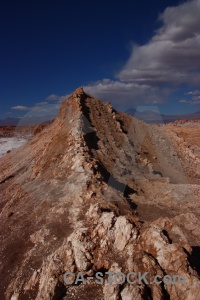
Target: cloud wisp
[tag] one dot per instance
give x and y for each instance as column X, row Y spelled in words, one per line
column 40, row 109
column 194, row 101
column 49, row 106
column 57, row 98
column 196, row 92
column 20, row 107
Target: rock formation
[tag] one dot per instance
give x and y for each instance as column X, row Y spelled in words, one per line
column 97, row 190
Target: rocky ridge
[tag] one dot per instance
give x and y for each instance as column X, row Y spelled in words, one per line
column 97, row 190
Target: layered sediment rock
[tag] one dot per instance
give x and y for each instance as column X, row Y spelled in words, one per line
column 97, row 190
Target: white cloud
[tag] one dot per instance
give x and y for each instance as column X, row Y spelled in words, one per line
column 196, row 92
column 123, row 94
column 20, row 107
column 156, row 69
column 53, row 97
column 180, row 22
column 40, row 109
column 44, row 108
column 172, row 55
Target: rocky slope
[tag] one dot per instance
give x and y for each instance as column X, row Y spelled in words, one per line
column 97, row 190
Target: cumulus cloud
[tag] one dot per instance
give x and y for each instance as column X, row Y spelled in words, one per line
column 156, row 69
column 123, row 94
column 20, row 107
column 172, row 55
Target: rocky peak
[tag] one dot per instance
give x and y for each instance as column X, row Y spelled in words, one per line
column 98, row 190
column 71, row 106
column 78, row 92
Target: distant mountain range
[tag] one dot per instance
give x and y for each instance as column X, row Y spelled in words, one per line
column 147, row 116
column 26, row 121
column 150, row 116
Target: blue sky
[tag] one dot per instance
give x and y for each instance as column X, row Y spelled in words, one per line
column 131, row 53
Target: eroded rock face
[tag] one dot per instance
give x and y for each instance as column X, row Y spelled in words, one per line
column 90, row 193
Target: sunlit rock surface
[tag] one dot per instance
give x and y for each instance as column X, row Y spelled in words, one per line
column 98, row 190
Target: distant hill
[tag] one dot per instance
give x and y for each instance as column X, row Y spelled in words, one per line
column 26, row 121
column 149, row 116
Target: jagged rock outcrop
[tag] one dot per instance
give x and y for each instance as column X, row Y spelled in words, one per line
column 97, row 190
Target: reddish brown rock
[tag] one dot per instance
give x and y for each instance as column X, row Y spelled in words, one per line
column 97, row 190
